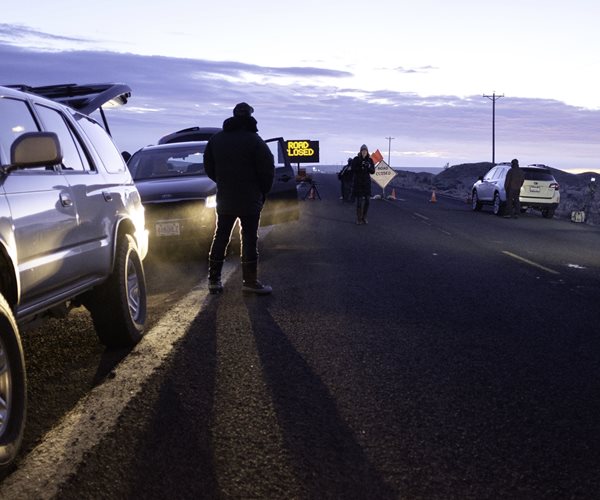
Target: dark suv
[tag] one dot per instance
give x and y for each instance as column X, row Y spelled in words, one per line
column 71, row 229
column 282, row 202
column 189, row 134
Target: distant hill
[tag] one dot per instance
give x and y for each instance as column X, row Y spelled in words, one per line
column 572, row 180
column 454, row 181
column 461, row 177
column 464, row 170
column 468, row 173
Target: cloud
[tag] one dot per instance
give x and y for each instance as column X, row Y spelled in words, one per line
column 419, row 69
column 15, row 34
column 314, row 103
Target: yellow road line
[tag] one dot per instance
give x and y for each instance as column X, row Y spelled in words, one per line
column 530, row 262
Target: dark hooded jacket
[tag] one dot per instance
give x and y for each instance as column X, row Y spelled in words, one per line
column 514, row 179
column 361, row 169
column 242, row 165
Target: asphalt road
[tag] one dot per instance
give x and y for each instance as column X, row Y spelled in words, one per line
column 434, row 353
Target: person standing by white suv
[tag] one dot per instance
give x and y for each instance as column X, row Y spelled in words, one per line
column 512, row 185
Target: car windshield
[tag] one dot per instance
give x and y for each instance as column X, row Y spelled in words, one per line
column 536, row 174
column 167, row 162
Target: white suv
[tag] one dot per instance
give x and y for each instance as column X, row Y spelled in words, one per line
column 540, row 190
column 71, row 230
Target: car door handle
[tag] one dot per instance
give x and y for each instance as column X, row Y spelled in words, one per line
column 107, row 196
column 65, row 200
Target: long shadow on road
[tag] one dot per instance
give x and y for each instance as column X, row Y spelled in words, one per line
column 326, row 456
column 172, row 455
column 181, row 433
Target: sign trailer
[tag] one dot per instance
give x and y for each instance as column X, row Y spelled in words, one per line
column 301, row 151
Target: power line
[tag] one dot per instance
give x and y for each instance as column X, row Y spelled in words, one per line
column 494, row 97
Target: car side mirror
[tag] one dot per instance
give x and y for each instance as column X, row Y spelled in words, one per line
column 35, row 149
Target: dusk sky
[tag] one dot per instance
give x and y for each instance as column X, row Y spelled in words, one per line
column 344, row 76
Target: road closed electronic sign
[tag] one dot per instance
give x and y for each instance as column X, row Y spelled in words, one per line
column 303, row 151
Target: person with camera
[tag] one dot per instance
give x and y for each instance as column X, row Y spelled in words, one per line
column 362, row 168
column 345, row 177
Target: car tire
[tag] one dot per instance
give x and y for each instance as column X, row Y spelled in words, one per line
column 548, row 213
column 475, row 203
column 118, row 307
column 498, row 206
column 13, row 388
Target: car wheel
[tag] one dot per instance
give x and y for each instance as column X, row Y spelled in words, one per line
column 118, row 307
column 13, row 388
column 548, row 213
column 475, row 203
column 498, row 206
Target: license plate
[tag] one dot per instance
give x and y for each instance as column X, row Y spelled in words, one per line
column 167, row 229
column 534, row 189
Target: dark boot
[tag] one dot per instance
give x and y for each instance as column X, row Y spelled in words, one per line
column 214, row 276
column 251, row 283
column 359, row 214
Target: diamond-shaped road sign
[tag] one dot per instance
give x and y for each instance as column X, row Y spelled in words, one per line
column 383, row 174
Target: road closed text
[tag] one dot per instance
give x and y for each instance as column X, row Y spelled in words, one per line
column 303, row 151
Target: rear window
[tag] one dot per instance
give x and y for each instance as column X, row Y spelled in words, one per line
column 538, row 175
column 105, row 147
column 164, row 162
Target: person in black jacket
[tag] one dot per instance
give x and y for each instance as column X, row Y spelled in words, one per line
column 243, row 167
column 512, row 186
column 362, row 168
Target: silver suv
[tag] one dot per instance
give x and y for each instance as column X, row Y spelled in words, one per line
column 71, row 231
column 540, row 191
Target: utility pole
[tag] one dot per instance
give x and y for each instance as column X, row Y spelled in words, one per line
column 389, row 149
column 494, row 97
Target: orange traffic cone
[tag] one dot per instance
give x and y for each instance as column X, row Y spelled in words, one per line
column 311, row 194
column 393, row 195
column 433, row 197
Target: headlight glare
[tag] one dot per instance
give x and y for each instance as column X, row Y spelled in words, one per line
column 211, row 201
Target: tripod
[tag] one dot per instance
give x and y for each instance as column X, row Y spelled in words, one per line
column 313, row 192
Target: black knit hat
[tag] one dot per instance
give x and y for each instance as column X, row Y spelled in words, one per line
column 364, row 146
column 243, row 109
column 514, row 163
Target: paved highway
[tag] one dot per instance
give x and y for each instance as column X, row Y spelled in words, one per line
column 434, row 353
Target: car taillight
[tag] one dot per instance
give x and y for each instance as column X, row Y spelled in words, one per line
column 554, row 185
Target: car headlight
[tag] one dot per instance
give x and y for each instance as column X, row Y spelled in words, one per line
column 211, row 201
